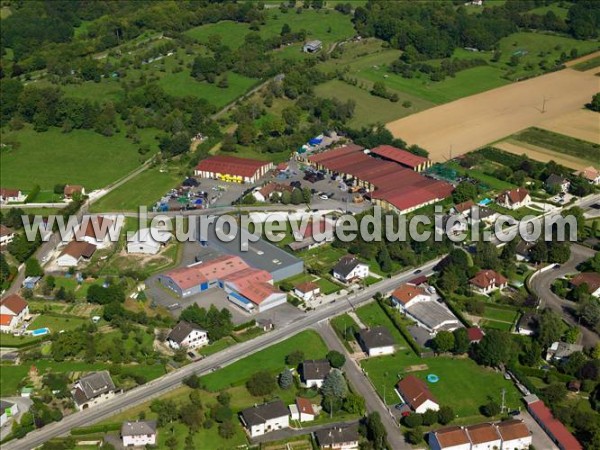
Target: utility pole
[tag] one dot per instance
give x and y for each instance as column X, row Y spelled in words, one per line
column 544, row 105
column 503, row 400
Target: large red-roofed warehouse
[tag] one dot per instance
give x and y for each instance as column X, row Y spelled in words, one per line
column 393, row 181
column 552, row 426
column 232, row 168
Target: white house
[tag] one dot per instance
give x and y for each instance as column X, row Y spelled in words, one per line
column 92, row 389
column 589, row 173
column 338, row 437
column 415, row 393
column 13, row 311
column 187, row 335
column 262, row 419
column 514, row 198
column 99, row 230
column 514, row 434
column 408, row 294
column 487, row 281
column 148, row 241
column 349, row 269
column 307, row 291
column 7, row 410
column 484, row 436
column 74, row 253
column 450, row 438
column 376, row 341
column 11, row 196
column 6, row 235
column 314, row 372
column 558, row 183
column 302, row 410
column 139, row 433
column 73, row 189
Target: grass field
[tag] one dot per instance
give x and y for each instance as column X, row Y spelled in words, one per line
column 57, row 324
column 143, row 190
column 590, row 64
column 373, row 315
column 560, row 143
column 487, row 180
column 557, row 8
column 80, row 157
column 369, row 108
column 476, row 385
column 271, row 359
column 502, row 315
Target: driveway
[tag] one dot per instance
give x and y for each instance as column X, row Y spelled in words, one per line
column 23, row 405
column 363, row 387
column 541, row 282
column 539, row 436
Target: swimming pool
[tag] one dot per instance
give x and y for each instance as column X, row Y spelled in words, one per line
column 40, row 332
column 433, row 378
column 485, row 202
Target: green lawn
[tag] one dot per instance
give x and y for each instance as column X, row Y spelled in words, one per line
column 80, row 157
column 496, row 325
column 328, row 286
column 476, row 385
column 9, row 340
column 590, row 64
column 143, row 190
column 373, row 315
column 369, row 108
column 71, row 284
column 560, row 143
column 271, row 359
column 502, row 315
column 57, row 324
column 561, row 10
column 487, row 180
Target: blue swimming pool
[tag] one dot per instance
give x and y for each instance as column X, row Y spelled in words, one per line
column 40, row 332
column 433, row 378
column 485, row 202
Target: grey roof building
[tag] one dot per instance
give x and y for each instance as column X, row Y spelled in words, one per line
column 315, row 369
column 334, row 437
column 375, row 338
column 92, row 386
column 562, row 350
column 527, row 324
column 312, row 46
column 182, row 330
column 138, row 428
column 261, row 413
column 433, row 316
column 4, row 405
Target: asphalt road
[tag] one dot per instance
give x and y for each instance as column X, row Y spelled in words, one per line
column 363, row 387
column 173, row 379
column 541, row 283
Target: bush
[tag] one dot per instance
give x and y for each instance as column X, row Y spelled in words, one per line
column 413, row 420
column 336, row 359
column 445, row 415
column 261, row 383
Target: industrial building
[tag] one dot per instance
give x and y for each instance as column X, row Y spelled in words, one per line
column 249, row 288
column 233, row 169
column 390, row 175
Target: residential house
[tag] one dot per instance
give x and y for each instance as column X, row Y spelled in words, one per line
column 187, row 335
column 148, row 241
column 30, row 282
column 486, row 215
column 452, row 225
column 7, row 410
column 11, row 196
column 265, row 193
column 415, row 393
column 312, row 46
column 73, row 189
column 514, row 434
column 349, row 269
column 139, row 433
column 450, row 438
column 475, row 335
column 589, row 173
column 554, row 428
column 13, row 311
column 74, row 253
column 419, row 304
column 514, row 198
column 6, row 235
column 376, row 341
column 317, row 232
column 265, row 324
column 484, row 436
column 523, row 250
column 591, row 280
column 487, row 281
column 302, row 410
column 92, row 389
column 307, row 291
column 560, row 351
column 261, row 419
column 556, row 183
column 338, row 437
column 314, row 372
column 527, row 324
column 96, row 230
column 464, row 208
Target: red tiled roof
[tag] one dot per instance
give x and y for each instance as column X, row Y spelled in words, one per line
column 269, row 188
column 400, row 156
column 309, row 286
column 475, row 334
column 487, row 278
column 464, row 206
column 335, row 153
column 14, row 303
column 590, row 173
column 218, row 268
column 553, row 426
column 514, row 195
column 231, row 165
column 482, row 433
column 6, row 192
column 414, row 391
column 512, row 429
column 258, row 292
column 592, row 279
column 5, row 231
column 452, row 436
column 5, row 319
column 99, row 223
column 406, row 292
column 304, row 406
column 71, row 189
column 77, row 249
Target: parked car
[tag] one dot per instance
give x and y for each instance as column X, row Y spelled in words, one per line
column 323, row 197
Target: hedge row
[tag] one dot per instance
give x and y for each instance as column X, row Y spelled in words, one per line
column 243, row 326
column 539, row 373
column 391, row 313
column 97, row 429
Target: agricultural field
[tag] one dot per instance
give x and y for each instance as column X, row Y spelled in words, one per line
column 78, row 157
column 581, row 124
column 441, row 129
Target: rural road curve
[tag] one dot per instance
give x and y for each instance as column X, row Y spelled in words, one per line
column 541, row 283
column 363, row 387
column 228, row 356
